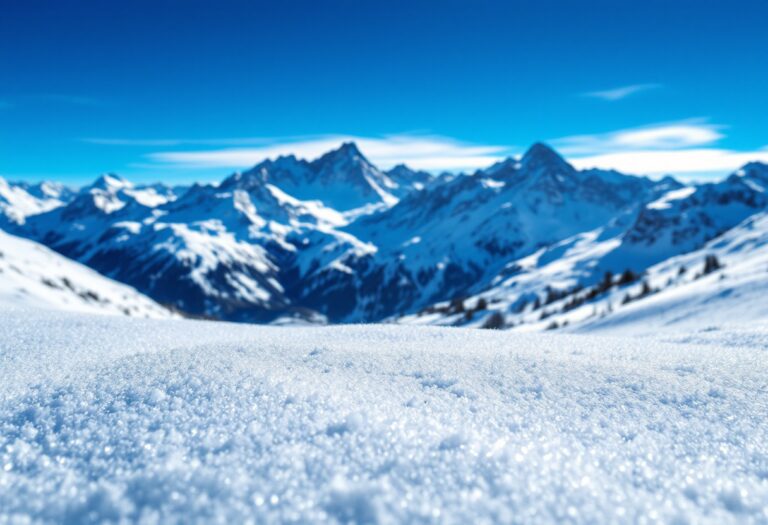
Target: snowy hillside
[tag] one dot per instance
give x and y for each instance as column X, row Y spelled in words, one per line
column 33, row 275
column 682, row 293
column 684, row 300
column 112, row 420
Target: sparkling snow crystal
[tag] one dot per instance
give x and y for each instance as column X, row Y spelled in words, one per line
column 110, row 419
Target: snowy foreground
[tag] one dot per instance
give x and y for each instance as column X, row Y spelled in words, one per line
column 110, row 419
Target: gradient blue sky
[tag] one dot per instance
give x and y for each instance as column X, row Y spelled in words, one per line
column 182, row 90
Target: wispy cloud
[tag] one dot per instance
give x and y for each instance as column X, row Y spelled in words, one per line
column 687, row 162
column 662, row 136
column 428, row 152
column 620, row 92
column 680, row 148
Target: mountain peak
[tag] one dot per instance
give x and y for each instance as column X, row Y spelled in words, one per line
column 349, row 148
column 399, row 168
column 110, row 182
column 540, row 156
column 754, row 173
column 348, row 151
column 755, row 166
column 541, row 153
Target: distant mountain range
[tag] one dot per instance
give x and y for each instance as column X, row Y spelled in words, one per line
column 338, row 240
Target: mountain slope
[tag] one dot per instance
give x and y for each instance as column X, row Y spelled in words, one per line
column 32, row 275
column 732, row 293
column 20, row 200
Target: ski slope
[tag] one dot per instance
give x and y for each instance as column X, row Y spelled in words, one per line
column 115, row 419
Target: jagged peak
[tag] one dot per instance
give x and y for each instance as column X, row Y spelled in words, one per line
column 752, row 173
column 348, row 151
column 542, row 155
column 400, row 168
column 510, row 164
column 753, row 166
column 110, row 182
column 349, row 148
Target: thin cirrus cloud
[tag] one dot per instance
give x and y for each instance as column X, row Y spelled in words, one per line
column 620, row 93
column 662, row 136
column 693, row 163
column 434, row 153
column 685, row 148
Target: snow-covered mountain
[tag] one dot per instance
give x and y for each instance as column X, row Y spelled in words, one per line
column 338, row 239
column 19, row 200
column 452, row 237
column 342, row 179
column 662, row 271
column 32, row 275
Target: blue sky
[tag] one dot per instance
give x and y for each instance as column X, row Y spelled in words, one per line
column 188, row 90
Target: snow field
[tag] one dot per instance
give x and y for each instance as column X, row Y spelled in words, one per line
column 114, row 419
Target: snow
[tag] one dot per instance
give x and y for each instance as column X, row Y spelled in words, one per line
column 33, row 275
column 113, row 419
column 735, row 294
column 18, row 201
column 675, row 195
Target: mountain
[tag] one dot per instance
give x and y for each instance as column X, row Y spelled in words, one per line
column 337, row 239
column 192, row 252
column 407, row 179
column 20, row 200
column 565, row 283
column 342, row 179
column 223, row 250
column 684, row 219
column 452, row 237
column 32, row 275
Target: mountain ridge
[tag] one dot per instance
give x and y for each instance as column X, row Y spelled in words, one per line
column 273, row 241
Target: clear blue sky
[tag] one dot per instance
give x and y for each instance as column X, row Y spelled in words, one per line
column 189, row 90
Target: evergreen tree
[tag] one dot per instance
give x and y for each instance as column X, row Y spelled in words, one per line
column 628, row 277
column 457, row 305
column 495, row 321
column 711, row 264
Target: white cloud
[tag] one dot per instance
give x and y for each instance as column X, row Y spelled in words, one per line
column 428, row 152
column 665, row 136
column 620, row 92
column 697, row 161
column 685, row 148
